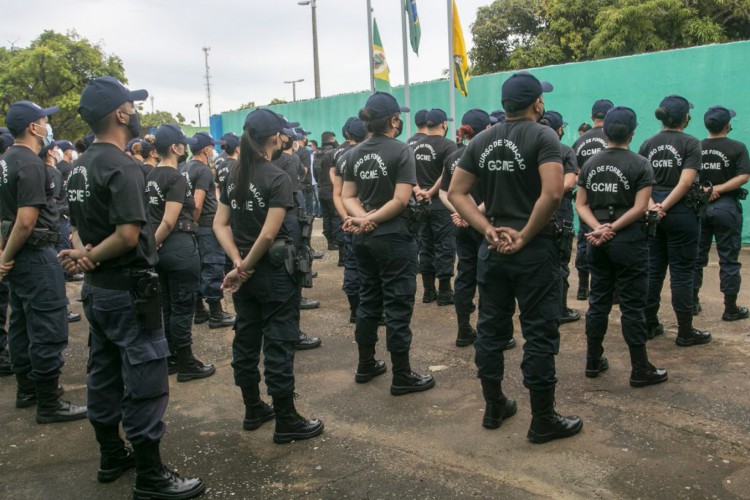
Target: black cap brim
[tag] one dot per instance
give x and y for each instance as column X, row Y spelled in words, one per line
column 191, row 141
column 138, row 95
column 547, row 87
column 404, row 109
column 50, row 111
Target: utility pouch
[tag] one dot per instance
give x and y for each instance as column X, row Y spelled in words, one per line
column 416, row 212
column 651, row 223
column 565, row 237
column 148, row 299
column 698, row 198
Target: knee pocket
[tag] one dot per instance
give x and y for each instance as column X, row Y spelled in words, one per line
column 146, row 370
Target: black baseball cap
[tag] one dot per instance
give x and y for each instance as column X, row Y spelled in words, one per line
column 357, row 130
column 22, row 113
column 677, row 106
column 601, row 106
column 420, row 118
column 477, row 119
column 202, row 140
column 65, row 145
column 169, row 134
column 89, row 139
column 49, row 147
column 437, row 116
column 554, row 119
column 103, row 95
column 345, row 128
column 382, row 104
column 131, row 143
column 524, row 88
column 6, row 141
column 497, row 116
column 229, row 139
column 262, row 123
column 146, row 147
column 718, row 116
column 620, row 115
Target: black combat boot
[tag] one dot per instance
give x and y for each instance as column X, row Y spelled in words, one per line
column 445, row 294
column 353, row 305
column 696, row 304
column 155, row 481
column 568, row 315
column 644, row 373
column 546, row 423
column 306, row 342
column 653, row 327
column 428, row 282
column 596, row 363
column 189, row 368
column 498, row 407
column 687, row 335
column 368, row 367
column 732, row 312
column 290, row 425
column 218, row 317
column 115, row 458
column 172, row 364
column 583, row 285
column 50, row 408
column 26, row 392
column 256, row 410
column 201, row 313
column 405, row 380
column 466, row 334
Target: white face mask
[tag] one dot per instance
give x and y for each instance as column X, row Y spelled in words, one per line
column 73, row 155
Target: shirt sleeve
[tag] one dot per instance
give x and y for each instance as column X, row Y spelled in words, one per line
column 549, row 147
column 223, row 195
column 176, row 190
column 468, row 158
column 646, row 175
column 406, row 172
column 203, row 179
column 582, row 176
column 570, row 163
column 743, row 161
column 30, row 185
column 281, row 192
column 127, row 188
column 693, row 155
column 57, row 179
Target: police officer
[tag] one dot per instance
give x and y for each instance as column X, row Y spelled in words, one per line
column 38, row 330
column 379, row 176
column 564, row 214
column 437, row 243
column 202, row 188
column 355, row 133
column 420, row 120
column 150, row 159
column 65, row 167
column 676, row 159
column 171, row 210
column 114, row 245
column 497, row 116
column 250, row 226
column 305, row 157
column 586, row 146
column 230, row 145
column 322, row 167
column 519, row 168
column 613, row 196
column 726, row 166
column 6, row 141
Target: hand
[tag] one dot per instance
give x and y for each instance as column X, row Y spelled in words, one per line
column 5, row 268
column 511, row 240
column 458, row 221
column 601, row 235
column 347, row 225
column 234, row 280
column 659, row 208
column 715, row 195
column 492, row 237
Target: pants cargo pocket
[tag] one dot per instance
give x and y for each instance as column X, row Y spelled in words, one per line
column 146, row 369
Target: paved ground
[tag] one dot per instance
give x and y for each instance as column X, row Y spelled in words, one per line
column 688, row 438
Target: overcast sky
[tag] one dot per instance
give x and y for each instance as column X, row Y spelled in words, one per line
column 255, row 44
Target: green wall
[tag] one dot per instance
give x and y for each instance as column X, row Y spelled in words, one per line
column 707, row 75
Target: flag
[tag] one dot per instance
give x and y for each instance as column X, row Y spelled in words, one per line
column 379, row 63
column 415, row 31
column 460, row 58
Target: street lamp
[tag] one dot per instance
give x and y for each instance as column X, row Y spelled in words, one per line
column 294, row 88
column 198, row 107
column 313, row 5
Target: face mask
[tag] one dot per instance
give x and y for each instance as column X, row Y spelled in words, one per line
column 58, row 156
column 287, row 143
column 214, row 155
column 46, row 139
column 400, row 128
column 295, row 147
column 134, row 125
column 309, row 148
column 730, row 129
column 74, row 155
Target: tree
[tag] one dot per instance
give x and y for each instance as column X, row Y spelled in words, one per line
column 53, row 71
column 248, row 105
column 276, row 100
column 158, row 118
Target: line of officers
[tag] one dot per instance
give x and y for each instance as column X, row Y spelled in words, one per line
column 507, row 212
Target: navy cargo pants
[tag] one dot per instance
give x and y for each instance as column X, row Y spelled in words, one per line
column 724, row 222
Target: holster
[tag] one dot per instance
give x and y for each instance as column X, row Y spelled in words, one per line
column 651, row 223
column 416, row 211
column 698, row 198
column 147, row 293
column 565, row 237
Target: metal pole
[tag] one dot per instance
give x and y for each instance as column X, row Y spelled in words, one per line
column 369, row 45
column 208, row 79
column 407, row 97
column 294, row 91
column 316, row 64
column 451, row 70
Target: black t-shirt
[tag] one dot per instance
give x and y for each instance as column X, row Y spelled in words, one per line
column 724, row 159
column 306, row 158
column 56, row 179
column 338, row 166
column 146, row 168
column 322, row 165
column 106, row 188
column 430, row 153
column 62, row 203
column 270, row 187
column 613, row 177
column 223, row 167
column 589, row 144
column 198, row 175
column 570, row 165
column 450, row 166
column 669, row 152
column 292, row 165
column 506, row 159
column 165, row 184
column 376, row 166
column 26, row 182
column 412, row 141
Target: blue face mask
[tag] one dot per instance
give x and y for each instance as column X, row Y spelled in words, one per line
column 46, row 139
column 309, row 148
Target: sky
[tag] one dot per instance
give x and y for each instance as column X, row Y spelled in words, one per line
column 256, row 45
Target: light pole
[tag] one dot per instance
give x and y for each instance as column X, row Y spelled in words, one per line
column 294, row 88
column 198, row 107
column 316, row 64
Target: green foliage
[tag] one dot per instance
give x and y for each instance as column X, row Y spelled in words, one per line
column 514, row 34
column 53, row 71
column 158, row 118
column 276, row 100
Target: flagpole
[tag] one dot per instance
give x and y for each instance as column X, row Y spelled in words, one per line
column 407, row 97
column 369, row 44
column 451, row 69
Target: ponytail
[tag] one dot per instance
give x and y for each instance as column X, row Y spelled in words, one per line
column 251, row 152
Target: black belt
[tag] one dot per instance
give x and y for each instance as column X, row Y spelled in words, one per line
column 549, row 230
column 124, row 279
column 186, row 227
column 609, row 214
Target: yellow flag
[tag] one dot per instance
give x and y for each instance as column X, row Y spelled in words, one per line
column 379, row 62
column 460, row 58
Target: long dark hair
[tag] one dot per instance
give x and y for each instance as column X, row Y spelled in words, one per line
column 251, row 152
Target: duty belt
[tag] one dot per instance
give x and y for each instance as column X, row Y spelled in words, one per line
column 609, row 214
column 187, row 227
column 124, row 279
column 39, row 238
